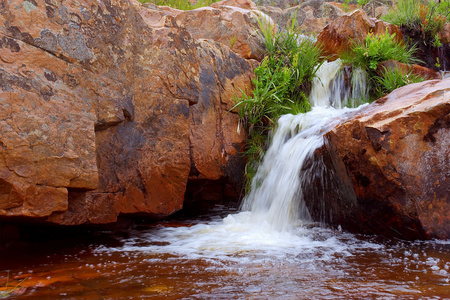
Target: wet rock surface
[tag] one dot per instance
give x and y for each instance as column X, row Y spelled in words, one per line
column 387, row 167
column 107, row 108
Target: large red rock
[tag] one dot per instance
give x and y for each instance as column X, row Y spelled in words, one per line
column 107, row 107
column 337, row 36
column 388, row 166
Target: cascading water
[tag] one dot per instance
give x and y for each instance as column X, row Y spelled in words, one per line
column 276, row 195
column 272, row 214
column 336, row 86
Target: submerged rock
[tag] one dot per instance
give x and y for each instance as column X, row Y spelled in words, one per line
column 108, row 108
column 387, row 167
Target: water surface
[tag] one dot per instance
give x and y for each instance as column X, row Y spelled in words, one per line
column 229, row 258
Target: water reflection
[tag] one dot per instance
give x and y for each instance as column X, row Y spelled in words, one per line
column 203, row 260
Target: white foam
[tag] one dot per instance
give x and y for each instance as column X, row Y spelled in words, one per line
column 238, row 238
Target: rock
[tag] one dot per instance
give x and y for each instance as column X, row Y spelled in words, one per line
column 346, row 7
column 377, row 9
column 214, row 138
column 157, row 16
column 233, row 23
column 310, row 16
column 100, row 107
column 319, row 16
column 282, row 4
column 406, row 69
column 337, row 36
column 381, row 11
column 444, row 35
column 232, row 26
column 245, row 4
column 283, row 18
column 387, row 166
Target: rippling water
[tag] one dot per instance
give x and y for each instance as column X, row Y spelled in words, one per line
column 229, row 258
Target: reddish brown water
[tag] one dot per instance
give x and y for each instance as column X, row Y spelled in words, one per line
column 165, row 261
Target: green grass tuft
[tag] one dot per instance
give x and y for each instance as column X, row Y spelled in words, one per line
column 426, row 18
column 392, row 79
column 376, row 49
column 282, row 81
column 180, row 4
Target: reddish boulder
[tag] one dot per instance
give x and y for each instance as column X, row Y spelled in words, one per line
column 100, row 107
column 387, row 166
column 376, row 9
column 345, row 6
column 337, row 36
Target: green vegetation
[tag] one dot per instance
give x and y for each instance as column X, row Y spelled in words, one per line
column 362, row 2
column 180, row 4
column 233, row 41
column 345, row 5
column 443, row 8
column 392, row 79
column 421, row 17
column 282, row 81
column 376, row 49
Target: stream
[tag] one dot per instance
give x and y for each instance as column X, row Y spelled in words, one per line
column 228, row 257
column 269, row 248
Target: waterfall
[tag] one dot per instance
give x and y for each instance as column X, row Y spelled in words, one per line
column 337, row 86
column 276, row 196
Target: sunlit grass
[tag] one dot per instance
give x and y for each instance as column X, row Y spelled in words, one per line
column 427, row 18
column 392, row 79
column 373, row 50
column 180, row 4
column 283, row 80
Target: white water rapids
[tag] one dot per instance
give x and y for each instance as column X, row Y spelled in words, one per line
column 276, row 196
column 274, row 215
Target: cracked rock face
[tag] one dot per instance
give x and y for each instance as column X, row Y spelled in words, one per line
column 104, row 112
column 387, row 167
